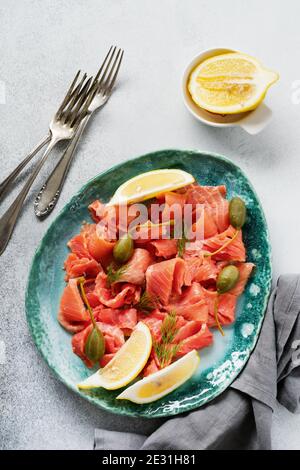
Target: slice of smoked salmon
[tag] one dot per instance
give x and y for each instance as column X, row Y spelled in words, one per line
column 197, row 194
column 192, row 266
column 154, row 325
column 200, row 269
column 208, row 271
column 105, row 359
column 165, row 278
column 199, row 340
column 125, row 319
column 89, row 288
column 174, row 203
column 175, row 198
column 190, row 328
column 205, row 226
column 78, row 246
column 245, row 270
column 235, row 251
column 214, row 202
column 79, row 243
column 93, row 299
column 191, row 304
column 113, row 336
column 100, row 249
column 226, row 309
column 165, row 248
column 150, row 368
column 76, row 267
column 125, row 295
column 219, row 209
column 96, row 210
column 136, row 267
column 72, row 314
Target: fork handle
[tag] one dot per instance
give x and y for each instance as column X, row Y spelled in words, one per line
column 8, row 182
column 49, row 194
column 10, row 217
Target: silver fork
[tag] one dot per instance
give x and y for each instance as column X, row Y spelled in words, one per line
column 7, row 184
column 106, row 77
column 63, row 126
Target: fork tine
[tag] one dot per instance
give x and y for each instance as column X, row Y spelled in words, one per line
column 79, row 101
column 102, row 77
column 68, row 94
column 114, row 76
column 103, row 63
column 79, row 97
column 78, row 93
column 83, row 112
column 69, row 100
column 79, row 85
column 111, row 69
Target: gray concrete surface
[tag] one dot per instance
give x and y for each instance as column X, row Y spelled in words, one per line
column 42, row 44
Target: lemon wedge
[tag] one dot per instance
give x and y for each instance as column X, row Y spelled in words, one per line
column 230, row 83
column 126, row 364
column 161, row 383
column 147, row 185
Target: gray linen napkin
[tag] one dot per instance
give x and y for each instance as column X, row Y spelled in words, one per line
column 241, row 417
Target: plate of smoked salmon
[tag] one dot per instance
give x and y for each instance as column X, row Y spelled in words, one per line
column 124, row 299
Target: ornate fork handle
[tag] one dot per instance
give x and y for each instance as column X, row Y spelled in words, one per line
column 8, row 182
column 50, row 191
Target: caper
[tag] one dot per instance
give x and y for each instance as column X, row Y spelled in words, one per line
column 237, row 212
column 227, row 279
column 95, row 345
column 123, row 249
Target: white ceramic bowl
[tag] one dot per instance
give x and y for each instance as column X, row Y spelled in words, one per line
column 251, row 121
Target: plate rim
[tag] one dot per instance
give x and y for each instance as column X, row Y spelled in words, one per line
column 173, row 412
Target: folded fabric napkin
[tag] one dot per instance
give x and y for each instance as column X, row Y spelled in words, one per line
column 241, row 417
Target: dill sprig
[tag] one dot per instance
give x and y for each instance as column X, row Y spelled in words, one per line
column 147, row 302
column 114, row 274
column 164, row 350
column 181, row 246
column 181, row 242
column 168, row 327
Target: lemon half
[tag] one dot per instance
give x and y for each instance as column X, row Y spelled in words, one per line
column 161, row 383
column 147, row 185
column 125, row 365
column 230, row 83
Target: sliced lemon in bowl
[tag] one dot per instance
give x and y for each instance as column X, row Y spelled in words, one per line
column 155, row 386
column 127, row 363
column 150, row 184
column 230, row 83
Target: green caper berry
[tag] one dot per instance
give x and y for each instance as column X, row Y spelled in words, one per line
column 227, row 279
column 95, row 345
column 237, row 212
column 123, row 249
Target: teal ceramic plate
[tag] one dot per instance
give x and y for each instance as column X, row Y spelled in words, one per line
column 222, row 362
